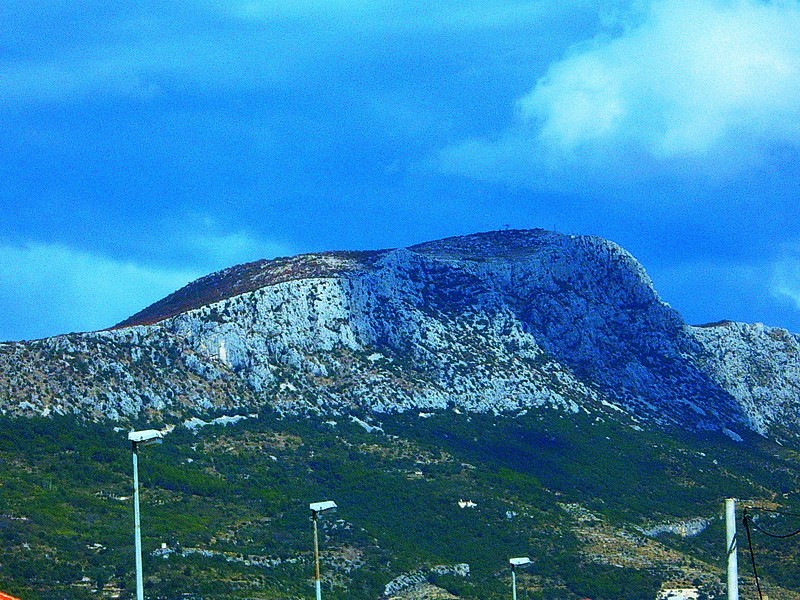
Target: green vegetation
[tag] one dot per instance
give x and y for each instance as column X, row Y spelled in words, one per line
column 229, row 505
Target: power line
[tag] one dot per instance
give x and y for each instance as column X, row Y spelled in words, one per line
column 746, row 521
column 764, row 531
column 772, row 510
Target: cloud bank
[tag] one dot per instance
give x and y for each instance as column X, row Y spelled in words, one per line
column 211, row 245
column 786, row 275
column 695, row 86
column 142, row 52
column 68, row 289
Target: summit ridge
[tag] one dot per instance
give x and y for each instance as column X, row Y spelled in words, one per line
column 505, row 321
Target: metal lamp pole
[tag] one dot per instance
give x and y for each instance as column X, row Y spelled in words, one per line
column 318, row 508
column 317, row 583
column 515, row 562
column 137, row 526
column 513, row 583
column 139, row 438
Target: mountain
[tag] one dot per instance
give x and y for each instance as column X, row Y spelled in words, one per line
column 492, row 322
column 466, row 400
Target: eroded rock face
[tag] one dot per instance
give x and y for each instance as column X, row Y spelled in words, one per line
column 759, row 366
column 503, row 321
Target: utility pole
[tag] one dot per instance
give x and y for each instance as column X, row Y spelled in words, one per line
column 137, row 528
column 516, row 562
column 319, row 508
column 317, row 584
column 730, row 537
column 138, row 439
column 513, row 583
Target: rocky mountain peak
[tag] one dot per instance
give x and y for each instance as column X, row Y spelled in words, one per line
column 248, row 277
column 504, row 245
column 508, row 244
column 504, row 321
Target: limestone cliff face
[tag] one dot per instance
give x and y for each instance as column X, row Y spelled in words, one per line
column 502, row 321
column 760, row 367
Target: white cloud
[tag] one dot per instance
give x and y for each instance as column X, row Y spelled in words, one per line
column 237, row 43
column 209, row 243
column 695, row 82
column 409, row 14
column 50, row 289
column 272, row 10
column 224, row 249
column 786, row 275
column 133, row 69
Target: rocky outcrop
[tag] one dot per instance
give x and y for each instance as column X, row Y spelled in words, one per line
column 115, row 375
column 497, row 322
column 408, row 581
column 760, row 367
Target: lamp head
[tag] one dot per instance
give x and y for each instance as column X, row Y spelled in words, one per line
column 321, row 508
column 145, row 437
column 522, row 560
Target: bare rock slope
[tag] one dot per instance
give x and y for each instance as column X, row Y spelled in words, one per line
column 503, row 321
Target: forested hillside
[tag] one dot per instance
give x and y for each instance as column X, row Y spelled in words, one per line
column 601, row 508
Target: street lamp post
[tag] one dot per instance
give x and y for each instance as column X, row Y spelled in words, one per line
column 515, row 562
column 318, row 508
column 143, row 438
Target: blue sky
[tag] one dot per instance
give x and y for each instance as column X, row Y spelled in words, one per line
column 147, row 144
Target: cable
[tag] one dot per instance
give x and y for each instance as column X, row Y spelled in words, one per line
column 772, row 510
column 746, row 521
column 773, row 535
